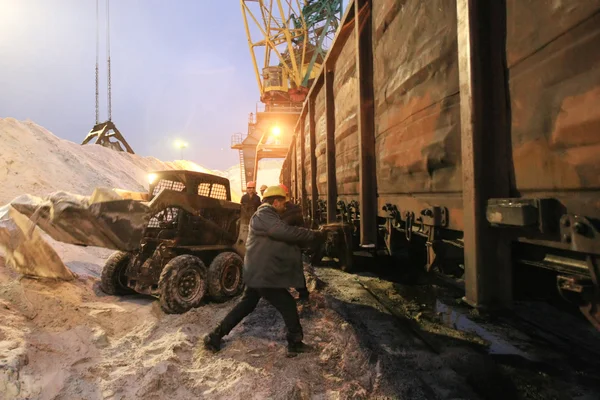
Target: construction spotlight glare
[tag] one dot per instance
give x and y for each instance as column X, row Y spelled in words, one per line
column 181, row 144
column 276, row 131
column 151, row 178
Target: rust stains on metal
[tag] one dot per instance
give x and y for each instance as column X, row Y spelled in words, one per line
column 330, row 149
column 345, row 93
column 314, row 193
column 366, row 123
column 555, row 123
column 321, row 140
column 484, row 124
column 528, row 89
column 416, row 93
column 533, row 24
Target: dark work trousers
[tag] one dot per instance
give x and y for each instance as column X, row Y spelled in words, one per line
column 279, row 298
column 303, row 291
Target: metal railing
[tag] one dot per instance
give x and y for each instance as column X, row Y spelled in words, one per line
column 281, row 107
column 237, row 138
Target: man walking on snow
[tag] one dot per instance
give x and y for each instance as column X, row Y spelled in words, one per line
column 272, row 264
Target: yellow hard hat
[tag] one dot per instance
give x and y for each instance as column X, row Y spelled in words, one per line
column 274, row 191
column 263, row 187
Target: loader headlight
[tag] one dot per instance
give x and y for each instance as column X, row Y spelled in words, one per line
column 151, row 178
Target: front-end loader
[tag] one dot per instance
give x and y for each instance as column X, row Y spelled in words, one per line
column 182, row 240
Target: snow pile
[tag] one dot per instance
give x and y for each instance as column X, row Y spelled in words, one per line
column 34, row 161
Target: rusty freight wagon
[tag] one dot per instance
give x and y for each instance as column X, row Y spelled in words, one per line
column 466, row 130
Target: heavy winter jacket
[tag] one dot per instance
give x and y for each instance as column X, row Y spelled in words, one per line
column 273, row 257
column 293, row 215
column 254, row 200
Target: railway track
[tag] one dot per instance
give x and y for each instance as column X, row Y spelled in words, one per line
column 511, row 356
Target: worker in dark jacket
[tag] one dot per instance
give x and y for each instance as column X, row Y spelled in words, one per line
column 251, row 197
column 262, row 190
column 271, row 265
column 292, row 215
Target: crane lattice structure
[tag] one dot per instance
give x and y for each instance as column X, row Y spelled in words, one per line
column 288, row 41
column 103, row 132
column 291, row 37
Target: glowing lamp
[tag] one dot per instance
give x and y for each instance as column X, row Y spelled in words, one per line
column 151, row 178
column 180, row 144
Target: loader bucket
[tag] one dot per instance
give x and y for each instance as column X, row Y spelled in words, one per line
column 113, row 224
column 243, row 229
column 25, row 249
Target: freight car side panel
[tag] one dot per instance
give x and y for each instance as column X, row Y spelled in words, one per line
column 321, row 142
column 417, row 116
column 554, row 64
column 546, row 22
column 298, row 169
column 307, row 152
column 345, row 93
column 286, row 168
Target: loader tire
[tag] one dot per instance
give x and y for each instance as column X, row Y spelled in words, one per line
column 225, row 276
column 182, row 284
column 113, row 280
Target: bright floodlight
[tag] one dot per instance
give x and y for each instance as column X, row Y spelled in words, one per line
column 181, row 144
column 151, row 178
column 276, row 131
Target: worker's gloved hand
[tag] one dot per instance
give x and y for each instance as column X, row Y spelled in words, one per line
column 320, row 236
column 315, row 249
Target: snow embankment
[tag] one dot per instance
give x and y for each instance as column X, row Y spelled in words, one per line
column 34, row 161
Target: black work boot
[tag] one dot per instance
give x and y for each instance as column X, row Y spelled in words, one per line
column 303, row 295
column 212, row 340
column 295, row 348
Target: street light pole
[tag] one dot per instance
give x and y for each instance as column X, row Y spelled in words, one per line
column 182, row 145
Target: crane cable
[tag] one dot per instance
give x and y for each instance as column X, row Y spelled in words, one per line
column 109, row 88
column 97, row 59
column 108, row 60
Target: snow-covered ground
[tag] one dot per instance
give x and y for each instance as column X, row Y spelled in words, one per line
column 68, row 340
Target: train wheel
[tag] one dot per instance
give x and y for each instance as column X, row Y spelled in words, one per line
column 583, row 292
column 591, row 308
